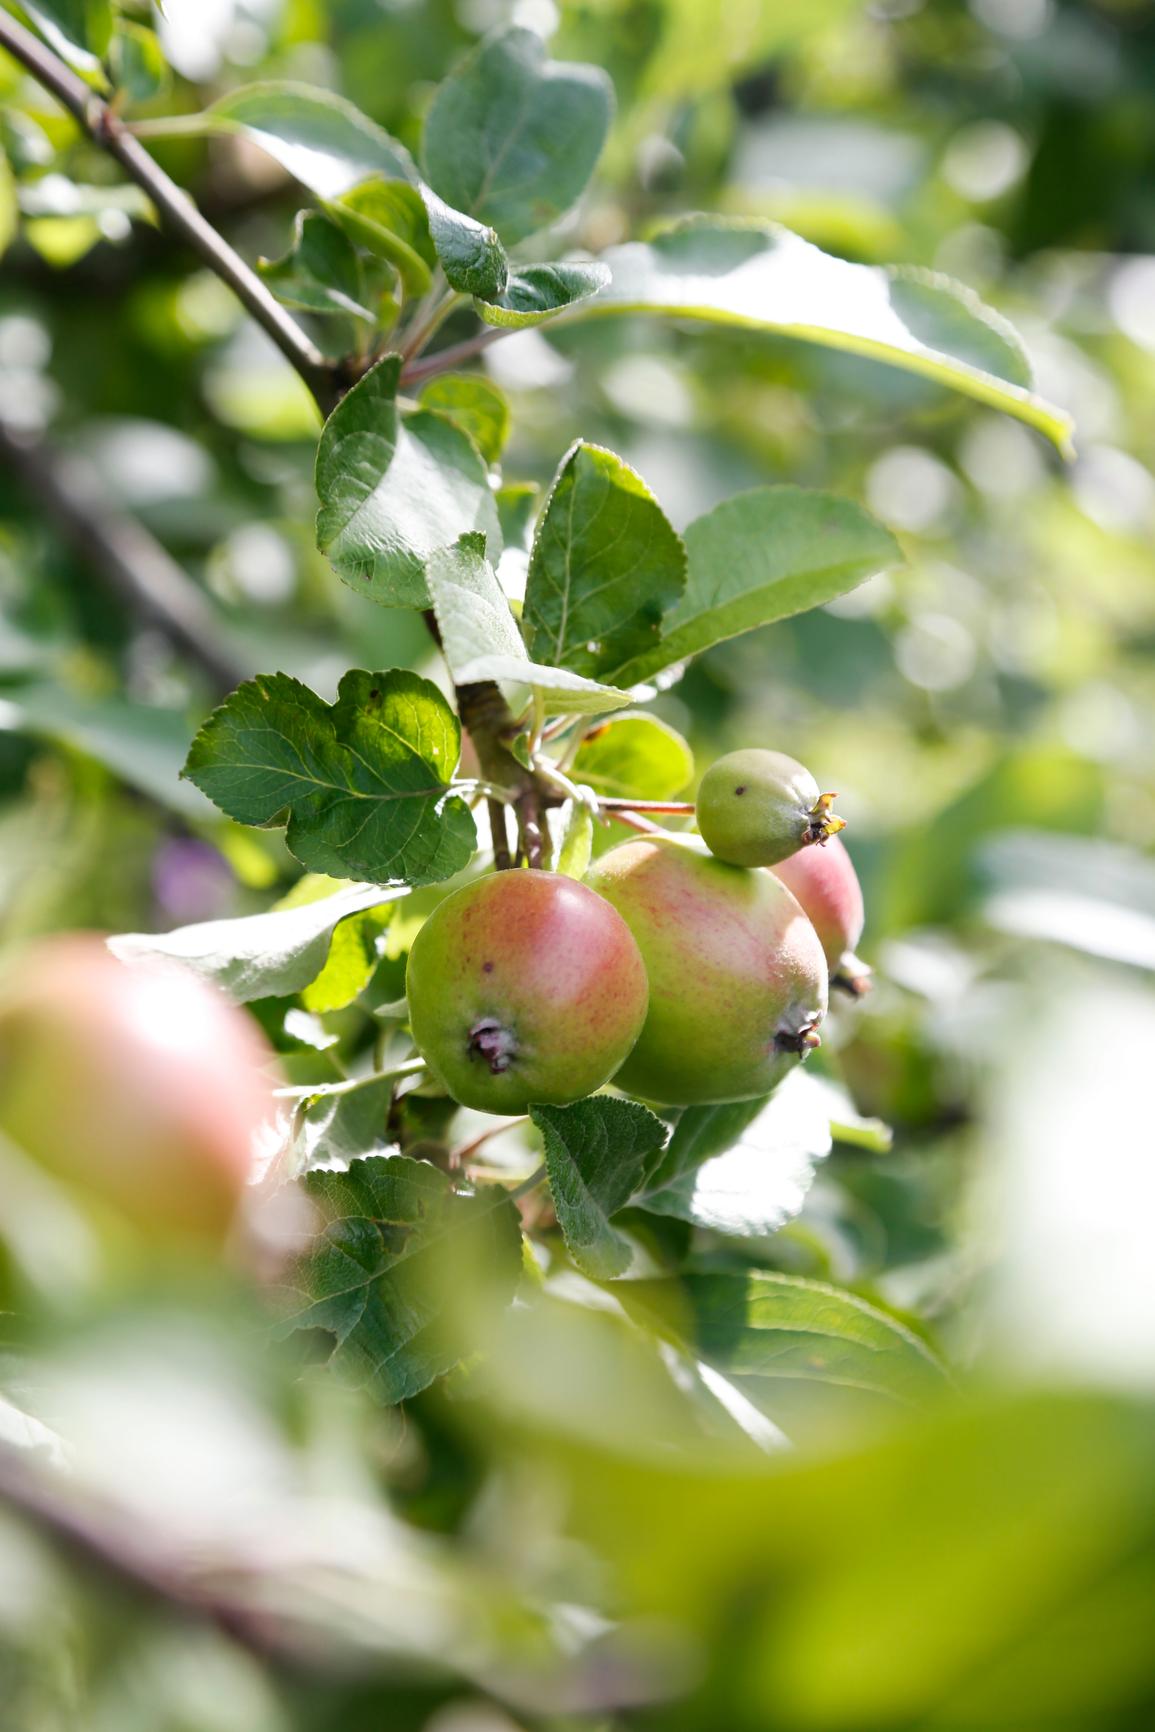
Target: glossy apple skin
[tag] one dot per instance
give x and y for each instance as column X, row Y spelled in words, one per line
column 738, row 981
column 143, row 1087
column 754, row 807
column 525, row 988
column 825, row 882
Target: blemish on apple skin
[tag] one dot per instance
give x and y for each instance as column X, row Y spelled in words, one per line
column 487, row 968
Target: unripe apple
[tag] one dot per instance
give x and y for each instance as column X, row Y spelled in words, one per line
column 143, row 1087
column 524, row 988
column 826, row 884
column 757, row 807
column 737, row 975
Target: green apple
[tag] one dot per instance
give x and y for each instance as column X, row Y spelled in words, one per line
column 757, row 807
column 737, row 976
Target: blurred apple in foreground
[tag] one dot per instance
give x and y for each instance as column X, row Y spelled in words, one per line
column 143, row 1087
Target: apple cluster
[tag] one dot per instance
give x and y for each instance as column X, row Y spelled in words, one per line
column 686, row 969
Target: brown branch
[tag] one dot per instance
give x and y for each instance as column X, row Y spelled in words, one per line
column 119, row 550
column 105, row 128
column 681, row 808
column 417, row 371
column 499, row 830
column 113, row 1547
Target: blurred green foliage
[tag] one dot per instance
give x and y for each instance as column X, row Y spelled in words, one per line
column 588, row 1525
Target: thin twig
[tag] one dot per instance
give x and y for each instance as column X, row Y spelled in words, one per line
column 633, row 821
column 105, row 128
column 460, row 1155
column 122, row 553
column 446, row 359
column 681, row 808
column 116, row 1549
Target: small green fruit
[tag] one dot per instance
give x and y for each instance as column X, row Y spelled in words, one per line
column 737, row 975
column 756, row 808
column 525, row 988
column 826, row 884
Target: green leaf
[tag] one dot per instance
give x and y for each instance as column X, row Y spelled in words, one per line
column 758, row 1326
column 762, row 556
column 333, row 149
column 137, row 62
column 476, row 406
column 744, row 1167
column 335, row 1129
column 317, row 137
column 512, row 137
column 517, row 505
column 481, row 640
column 388, row 218
column 397, row 1244
column 597, row 1153
column 760, row 277
column 353, row 954
column 362, row 783
column 605, row 567
column 634, row 757
column 470, row 253
column 321, row 272
column 259, row 955
column 540, row 292
column 393, row 486
column 78, row 30
column 142, row 744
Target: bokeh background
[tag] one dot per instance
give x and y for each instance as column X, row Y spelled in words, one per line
column 988, row 715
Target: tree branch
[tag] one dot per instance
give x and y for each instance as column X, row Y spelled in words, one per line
column 415, row 372
column 117, row 1551
column 130, row 561
column 105, row 128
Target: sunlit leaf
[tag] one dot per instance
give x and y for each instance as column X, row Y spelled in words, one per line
column 353, row 953
column 482, row 642
column 744, row 1167
column 393, row 485
column 605, row 567
column 260, row 955
column 318, row 137
column 636, row 756
column 362, row 783
column 512, row 137
column 763, row 278
column 759, row 1326
column 762, row 556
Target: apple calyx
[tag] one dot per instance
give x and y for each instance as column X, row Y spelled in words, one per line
column 490, row 1041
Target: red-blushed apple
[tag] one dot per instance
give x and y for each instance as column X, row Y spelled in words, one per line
column 141, row 1086
column 826, row 884
column 524, row 988
column 737, row 976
